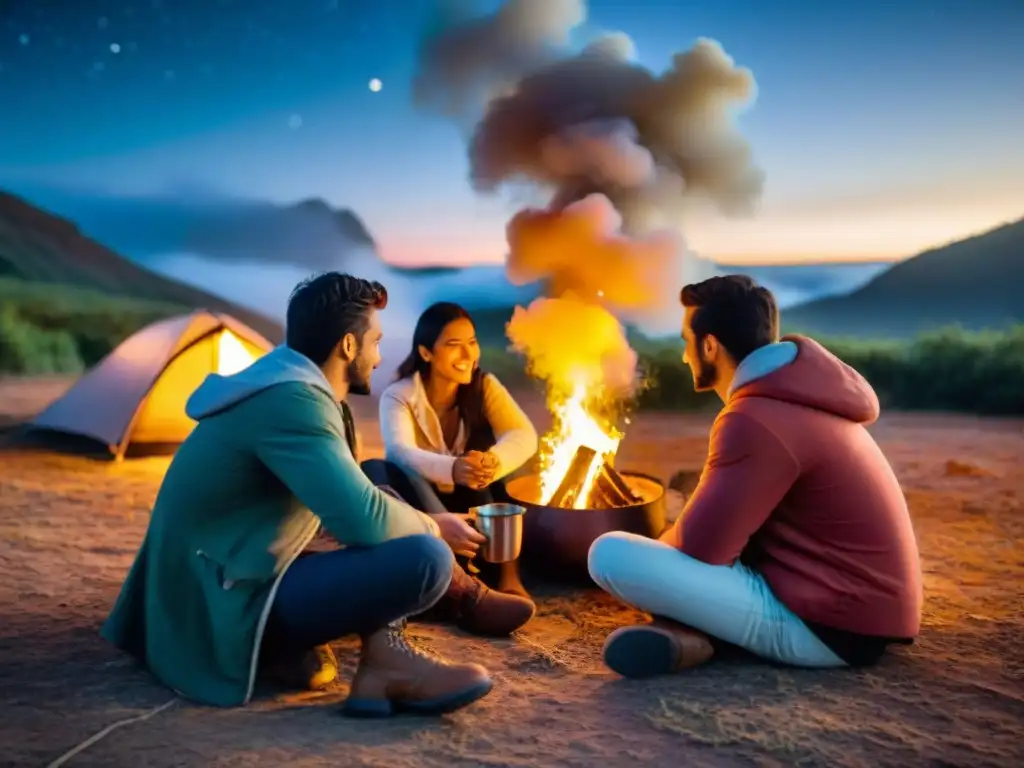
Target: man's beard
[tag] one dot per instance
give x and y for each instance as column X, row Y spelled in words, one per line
column 706, row 375
column 358, row 378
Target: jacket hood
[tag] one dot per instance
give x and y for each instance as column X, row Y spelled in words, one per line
column 813, row 377
column 280, row 366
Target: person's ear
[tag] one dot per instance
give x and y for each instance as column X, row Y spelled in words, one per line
column 710, row 348
column 424, row 353
column 348, row 347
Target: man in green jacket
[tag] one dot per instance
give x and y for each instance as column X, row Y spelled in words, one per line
column 222, row 588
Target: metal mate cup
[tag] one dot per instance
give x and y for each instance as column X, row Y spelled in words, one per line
column 502, row 525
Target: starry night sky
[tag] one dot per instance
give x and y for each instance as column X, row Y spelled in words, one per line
column 882, row 126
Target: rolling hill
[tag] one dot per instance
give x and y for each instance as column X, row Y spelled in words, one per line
column 976, row 283
column 37, row 247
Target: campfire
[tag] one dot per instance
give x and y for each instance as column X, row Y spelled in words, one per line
column 578, row 459
column 578, row 494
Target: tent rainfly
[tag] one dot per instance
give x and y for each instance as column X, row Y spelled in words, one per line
column 137, row 393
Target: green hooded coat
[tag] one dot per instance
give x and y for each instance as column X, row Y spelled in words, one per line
column 266, row 465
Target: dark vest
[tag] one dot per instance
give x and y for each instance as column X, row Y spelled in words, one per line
column 350, row 427
column 481, row 438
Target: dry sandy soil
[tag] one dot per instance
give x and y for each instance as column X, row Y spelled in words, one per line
column 69, row 527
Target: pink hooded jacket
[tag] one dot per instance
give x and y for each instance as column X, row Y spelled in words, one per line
column 796, row 484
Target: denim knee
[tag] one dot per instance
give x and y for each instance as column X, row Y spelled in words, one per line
column 606, row 554
column 376, row 470
column 433, row 561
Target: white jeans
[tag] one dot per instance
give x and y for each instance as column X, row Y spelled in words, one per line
column 732, row 603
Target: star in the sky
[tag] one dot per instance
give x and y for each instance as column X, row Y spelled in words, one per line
column 122, row 45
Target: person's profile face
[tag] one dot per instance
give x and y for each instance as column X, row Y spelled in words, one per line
column 703, row 371
column 367, row 358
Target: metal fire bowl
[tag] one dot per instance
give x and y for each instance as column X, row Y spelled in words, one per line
column 556, row 541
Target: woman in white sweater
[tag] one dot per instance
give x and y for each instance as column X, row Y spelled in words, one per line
column 452, row 432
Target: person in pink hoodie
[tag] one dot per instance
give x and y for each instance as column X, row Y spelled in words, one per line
column 797, row 544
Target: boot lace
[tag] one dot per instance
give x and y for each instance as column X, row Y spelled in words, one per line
column 399, row 641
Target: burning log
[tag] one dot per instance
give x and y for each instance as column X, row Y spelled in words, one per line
column 572, row 483
column 609, row 489
column 613, row 487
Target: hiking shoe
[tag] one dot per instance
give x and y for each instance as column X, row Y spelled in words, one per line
column 395, row 676
column 315, row 669
column 655, row 649
column 476, row 608
column 493, row 613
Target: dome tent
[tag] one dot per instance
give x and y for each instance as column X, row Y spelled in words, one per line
column 137, row 393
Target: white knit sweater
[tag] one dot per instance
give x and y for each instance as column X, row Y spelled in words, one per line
column 414, row 441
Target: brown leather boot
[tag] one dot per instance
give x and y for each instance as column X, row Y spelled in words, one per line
column 655, row 649
column 477, row 608
column 395, row 676
column 313, row 670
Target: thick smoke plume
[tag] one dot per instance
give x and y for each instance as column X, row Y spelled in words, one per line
column 621, row 151
column 561, row 120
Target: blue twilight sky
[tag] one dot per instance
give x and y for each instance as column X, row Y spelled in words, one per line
column 883, row 126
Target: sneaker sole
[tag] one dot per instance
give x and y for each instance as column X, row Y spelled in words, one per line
column 374, row 708
column 640, row 653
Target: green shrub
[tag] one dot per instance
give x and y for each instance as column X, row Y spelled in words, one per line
column 28, row 350
column 668, row 383
column 95, row 322
column 61, row 329
column 945, row 370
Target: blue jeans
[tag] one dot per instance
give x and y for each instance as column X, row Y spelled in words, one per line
column 355, row 590
column 729, row 602
column 425, row 496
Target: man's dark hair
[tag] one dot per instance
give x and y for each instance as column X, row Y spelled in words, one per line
column 324, row 308
column 734, row 309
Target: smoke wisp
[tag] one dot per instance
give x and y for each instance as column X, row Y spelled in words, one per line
column 564, row 120
column 621, row 151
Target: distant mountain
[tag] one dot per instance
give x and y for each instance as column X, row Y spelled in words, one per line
column 40, row 247
column 310, row 235
column 171, row 231
column 976, row 283
column 252, row 252
column 798, row 283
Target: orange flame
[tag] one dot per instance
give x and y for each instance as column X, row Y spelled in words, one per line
column 574, row 426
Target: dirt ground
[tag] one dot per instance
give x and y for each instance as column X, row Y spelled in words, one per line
column 69, row 527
